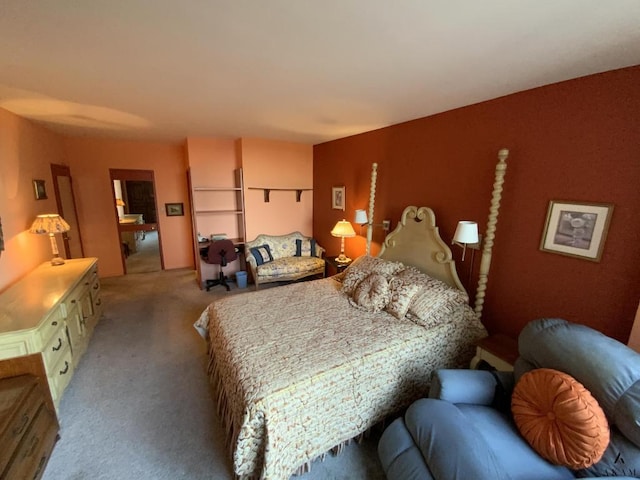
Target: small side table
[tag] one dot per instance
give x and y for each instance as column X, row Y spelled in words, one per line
column 498, row 351
column 335, row 265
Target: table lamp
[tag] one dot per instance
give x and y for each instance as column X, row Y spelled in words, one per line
column 50, row 224
column 343, row 229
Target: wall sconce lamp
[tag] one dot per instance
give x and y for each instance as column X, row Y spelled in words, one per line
column 466, row 235
column 119, row 202
column 50, row 224
column 343, row 229
column 362, row 220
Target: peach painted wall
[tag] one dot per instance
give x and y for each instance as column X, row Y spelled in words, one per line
column 27, row 151
column 212, row 162
column 575, row 140
column 277, row 164
column 90, row 161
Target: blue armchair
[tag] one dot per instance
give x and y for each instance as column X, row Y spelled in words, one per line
column 460, row 431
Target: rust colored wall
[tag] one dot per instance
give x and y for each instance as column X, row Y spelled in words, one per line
column 90, row 161
column 575, row 140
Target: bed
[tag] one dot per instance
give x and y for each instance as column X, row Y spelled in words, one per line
column 303, row 369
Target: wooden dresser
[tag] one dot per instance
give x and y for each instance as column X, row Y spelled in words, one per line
column 52, row 310
column 28, row 424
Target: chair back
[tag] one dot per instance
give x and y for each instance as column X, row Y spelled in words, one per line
column 221, row 252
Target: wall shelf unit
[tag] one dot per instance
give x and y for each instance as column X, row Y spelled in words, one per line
column 214, row 210
column 267, row 191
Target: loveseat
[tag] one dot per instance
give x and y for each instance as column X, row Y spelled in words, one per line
column 475, row 425
column 277, row 258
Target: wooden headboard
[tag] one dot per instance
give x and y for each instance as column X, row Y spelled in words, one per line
column 416, row 241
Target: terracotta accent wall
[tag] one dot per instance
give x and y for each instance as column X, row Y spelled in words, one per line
column 575, row 140
column 277, row 164
column 90, row 161
column 27, row 151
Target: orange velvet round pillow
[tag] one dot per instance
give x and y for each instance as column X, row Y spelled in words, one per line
column 560, row 418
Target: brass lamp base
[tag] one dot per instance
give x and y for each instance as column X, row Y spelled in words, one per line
column 57, row 261
column 342, row 258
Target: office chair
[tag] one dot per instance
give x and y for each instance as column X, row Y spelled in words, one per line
column 220, row 252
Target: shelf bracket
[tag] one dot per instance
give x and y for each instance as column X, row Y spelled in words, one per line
column 267, row 191
column 298, row 195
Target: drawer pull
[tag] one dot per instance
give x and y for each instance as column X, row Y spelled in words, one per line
column 54, row 323
column 41, row 465
column 32, row 448
column 59, row 346
column 99, row 302
column 87, row 282
column 96, row 286
column 73, row 301
column 23, row 424
column 65, row 369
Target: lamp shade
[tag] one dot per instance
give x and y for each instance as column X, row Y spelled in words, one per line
column 343, row 229
column 466, row 232
column 361, row 217
column 49, row 223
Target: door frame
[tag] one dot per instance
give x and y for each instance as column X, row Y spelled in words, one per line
column 64, row 171
column 140, row 175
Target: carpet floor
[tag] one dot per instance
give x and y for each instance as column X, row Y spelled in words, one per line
column 139, row 405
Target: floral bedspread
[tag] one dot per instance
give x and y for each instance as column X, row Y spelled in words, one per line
column 298, row 371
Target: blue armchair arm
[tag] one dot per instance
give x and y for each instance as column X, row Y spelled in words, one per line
column 476, row 387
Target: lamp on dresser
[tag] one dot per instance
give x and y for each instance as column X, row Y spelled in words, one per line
column 50, row 224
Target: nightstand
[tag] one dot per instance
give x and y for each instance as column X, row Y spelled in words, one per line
column 336, row 266
column 497, row 351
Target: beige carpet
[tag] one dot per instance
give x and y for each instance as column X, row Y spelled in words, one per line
column 139, row 405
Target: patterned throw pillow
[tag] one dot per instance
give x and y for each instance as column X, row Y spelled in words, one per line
column 305, row 248
column 363, row 266
column 434, row 302
column 401, row 295
column 372, row 294
column 559, row 418
column 262, row 254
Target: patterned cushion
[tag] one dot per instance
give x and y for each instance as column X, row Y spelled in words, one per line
column 372, row 294
column 559, row 418
column 434, row 302
column 262, row 254
column 283, row 267
column 401, row 295
column 306, row 248
column 362, row 266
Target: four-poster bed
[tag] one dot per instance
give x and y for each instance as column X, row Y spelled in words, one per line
column 301, row 370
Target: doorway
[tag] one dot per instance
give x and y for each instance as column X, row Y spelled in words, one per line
column 137, row 219
column 66, row 204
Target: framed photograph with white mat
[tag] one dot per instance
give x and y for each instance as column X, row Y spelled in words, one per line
column 576, row 229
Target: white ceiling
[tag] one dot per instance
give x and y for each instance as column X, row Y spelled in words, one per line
column 299, row 70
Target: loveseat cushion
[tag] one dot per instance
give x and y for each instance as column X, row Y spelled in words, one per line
column 287, row 266
column 612, row 376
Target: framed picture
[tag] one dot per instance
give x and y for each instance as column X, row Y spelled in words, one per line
column 337, row 198
column 39, row 189
column 576, row 229
column 174, row 209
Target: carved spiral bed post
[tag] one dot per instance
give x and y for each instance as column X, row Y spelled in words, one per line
column 372, row 201
column 485, row 263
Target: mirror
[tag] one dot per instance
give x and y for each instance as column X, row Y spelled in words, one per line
column 135, row 203
column 66, row 205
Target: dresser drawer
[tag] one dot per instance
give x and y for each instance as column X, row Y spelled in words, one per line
column 34, row 449
column 54, row 321
column 20, row 399
column 60, row 375
column 55, row 349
